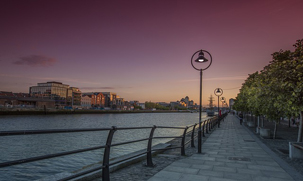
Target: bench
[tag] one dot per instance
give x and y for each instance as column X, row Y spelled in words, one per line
column 295, row 150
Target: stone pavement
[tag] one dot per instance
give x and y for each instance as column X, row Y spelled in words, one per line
column 230, row 153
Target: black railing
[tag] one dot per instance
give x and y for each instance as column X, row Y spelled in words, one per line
column 206, row 126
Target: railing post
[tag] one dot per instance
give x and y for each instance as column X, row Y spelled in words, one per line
column 203, row 131
column 105, row 169
column 209, row 125
column 183, row 142
column 218, row 120
column 149, row 159
column 212, row 123
column 206, row 126
column 193, row 136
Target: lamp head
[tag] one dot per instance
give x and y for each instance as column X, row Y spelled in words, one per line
column 218, row 91
column 201, row 58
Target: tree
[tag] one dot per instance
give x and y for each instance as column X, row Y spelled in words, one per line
column 278, row 89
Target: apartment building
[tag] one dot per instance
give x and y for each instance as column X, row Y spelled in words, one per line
column 61, row 93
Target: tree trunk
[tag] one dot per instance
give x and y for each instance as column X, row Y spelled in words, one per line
column 300, row 128
column 275, row 131
column 258, row 121
column 289, row 122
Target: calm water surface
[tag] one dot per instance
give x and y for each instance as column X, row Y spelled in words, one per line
column 20, row 147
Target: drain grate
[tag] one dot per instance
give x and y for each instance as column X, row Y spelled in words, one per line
column 249, row 141
column 239, row 158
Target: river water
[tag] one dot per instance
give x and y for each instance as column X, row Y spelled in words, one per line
column 24, row 146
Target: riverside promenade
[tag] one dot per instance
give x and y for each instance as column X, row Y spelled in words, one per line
column 231, row 152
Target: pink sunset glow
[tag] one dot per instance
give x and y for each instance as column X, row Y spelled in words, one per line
column 141, row 50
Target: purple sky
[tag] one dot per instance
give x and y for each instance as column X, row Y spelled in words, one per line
column 141, row 49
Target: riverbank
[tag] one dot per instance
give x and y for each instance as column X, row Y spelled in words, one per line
column 83, row 111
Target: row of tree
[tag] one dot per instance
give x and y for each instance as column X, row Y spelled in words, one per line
column 150, row 105
column 277, row 90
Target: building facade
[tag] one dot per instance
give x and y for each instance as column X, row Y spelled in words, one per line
column 110, row 99
column 97, row 99
column 61, row 93
column 86, row 101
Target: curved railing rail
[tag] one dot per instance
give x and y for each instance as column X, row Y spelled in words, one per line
column 206, row 126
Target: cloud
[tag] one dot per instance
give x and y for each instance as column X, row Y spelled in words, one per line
column 36, row 61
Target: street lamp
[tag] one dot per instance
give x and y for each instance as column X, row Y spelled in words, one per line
column 201, row 59
column 218, row 92
column 223, row 102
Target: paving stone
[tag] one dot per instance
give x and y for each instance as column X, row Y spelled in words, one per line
column 264, row 178
column 265, row 167
column 237, row 176
column 211, row 173
column 168, row 175
column 189, row 177
column 236, row 165
column 224, row 169
column 182, row 170
column 203, row 167
column 220, row 179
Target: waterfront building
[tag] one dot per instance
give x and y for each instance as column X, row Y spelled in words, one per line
column 186, row 102
column 74, row 97
column 86, row 101
column 110, row 99
column 120, row 103
column 23, row 101
column 97, row 99
column 61, row 93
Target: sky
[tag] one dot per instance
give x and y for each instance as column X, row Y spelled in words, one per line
column 142, row 49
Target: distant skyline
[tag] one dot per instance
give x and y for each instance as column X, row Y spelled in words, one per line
column 141, row 50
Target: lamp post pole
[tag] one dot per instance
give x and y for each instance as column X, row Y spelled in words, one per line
column 201, row 59
column 218, row 92
column 223, row 101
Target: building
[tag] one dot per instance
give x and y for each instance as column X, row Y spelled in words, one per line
column 22, row 101
column 74, row 97
column 186, row 102
column 61, row 93
column 110, row 99
column 97, row 99
column 86, row 101
column 120, row 103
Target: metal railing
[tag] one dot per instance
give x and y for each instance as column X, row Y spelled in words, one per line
column 206, row 126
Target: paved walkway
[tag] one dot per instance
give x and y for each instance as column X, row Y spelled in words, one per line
column 230, row 153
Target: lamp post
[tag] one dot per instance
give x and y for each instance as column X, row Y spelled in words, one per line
column 223, row 102
column 218, row 92
column 201, row 59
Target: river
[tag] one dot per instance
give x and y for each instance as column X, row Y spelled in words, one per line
column 24, row 146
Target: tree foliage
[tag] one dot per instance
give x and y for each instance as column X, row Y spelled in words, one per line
column 277, row 90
